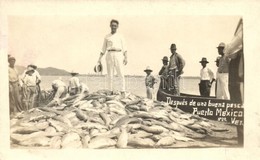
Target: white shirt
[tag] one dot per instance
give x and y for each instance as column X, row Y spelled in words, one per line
column 83, row 87
column 29, row 80
column 13, row 74
column 58, row 83
column 206, row 74
column 74, row 82
column 114, row 42
column 35, row 74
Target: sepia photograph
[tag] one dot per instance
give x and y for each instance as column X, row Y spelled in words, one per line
column 124, row 81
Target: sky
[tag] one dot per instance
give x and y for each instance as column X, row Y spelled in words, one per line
column 74, row 42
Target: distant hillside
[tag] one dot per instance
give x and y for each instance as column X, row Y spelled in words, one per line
column 49, row 71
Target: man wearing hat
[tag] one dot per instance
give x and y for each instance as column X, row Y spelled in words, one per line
column 74, row 85
column 149, row 82
column 29, row 89
column 59, row 92
column 38, row 81
column 223, row 71
column 206, row 78
column 116, row 55
column 14, row 88
column 177, row 64
column 164, row 73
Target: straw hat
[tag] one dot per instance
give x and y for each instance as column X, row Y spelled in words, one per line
column 73, row 72
column 98, row 68
column 204, row 60
column 148, row 69
column 165, row 58
column 29, row 70
column 221, row 45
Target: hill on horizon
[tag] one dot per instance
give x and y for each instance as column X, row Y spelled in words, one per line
column 49, row 71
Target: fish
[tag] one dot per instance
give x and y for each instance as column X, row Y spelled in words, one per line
column 122, row 138
column 24, row 130
column 85, row 141
column 93, row 132
column 125, row 120
column 153, row 129
column 142, row 114
column 141, row 142
column 22, row 137
column 42, row 125
column 59, row 126
column 133, row 107
column 140, row 134
column 166, row 141
column 105, row 118
column 68, row 138
column 96, row 104
column 36, row 141
column 69, row 115
column 63, row 120
column 55, row 142
column 81, row 115
column 101, row 142
column 181, row 138
column 117, row 103
column 50, row 130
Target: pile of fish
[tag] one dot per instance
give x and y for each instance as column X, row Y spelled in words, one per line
column 106, row 119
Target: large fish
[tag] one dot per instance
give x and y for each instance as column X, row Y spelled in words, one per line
column 101, row 142
column 140, row 134
column 141, row 142
column 85, row 141
column 105, row 118
column 122, row 138
column 68, row 138
column 63, row 120
column 36, row 141
column 81, row 115
column 166, row 141
column 22, row 137
column 55, row 142
column 152, row 129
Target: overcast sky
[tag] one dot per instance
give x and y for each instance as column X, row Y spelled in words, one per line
column 74, row 42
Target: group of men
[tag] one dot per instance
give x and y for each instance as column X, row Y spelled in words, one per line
column 223, row 89
column 25, row 92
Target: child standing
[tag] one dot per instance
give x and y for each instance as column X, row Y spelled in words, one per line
column 149, row 82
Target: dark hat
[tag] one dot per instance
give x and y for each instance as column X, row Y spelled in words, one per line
column 33, row 66
column 221, row 45
column 148, row 69
column 98, row 68
column 204, row 60
column 11, row 58
column 165, row 58
column 73, row 72
column 29, row 70
column 217, row 59
column 173, row 46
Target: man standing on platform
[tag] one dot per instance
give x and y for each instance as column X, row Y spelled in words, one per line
column 176, row 64
column 116, row 56
column 223, row 71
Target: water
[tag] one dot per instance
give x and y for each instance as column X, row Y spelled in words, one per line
column 135, row 84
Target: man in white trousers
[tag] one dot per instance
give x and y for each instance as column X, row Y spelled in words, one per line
column 115, row 48
column 223, row 70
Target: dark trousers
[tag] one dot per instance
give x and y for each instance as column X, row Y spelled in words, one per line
column 204, row 87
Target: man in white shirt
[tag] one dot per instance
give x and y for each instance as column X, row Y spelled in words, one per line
column 37, row 76
column 116, row 56
column 74, row 85
column 59, row 91
column 29, row 89
column 15, row 103
column 206, row 78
